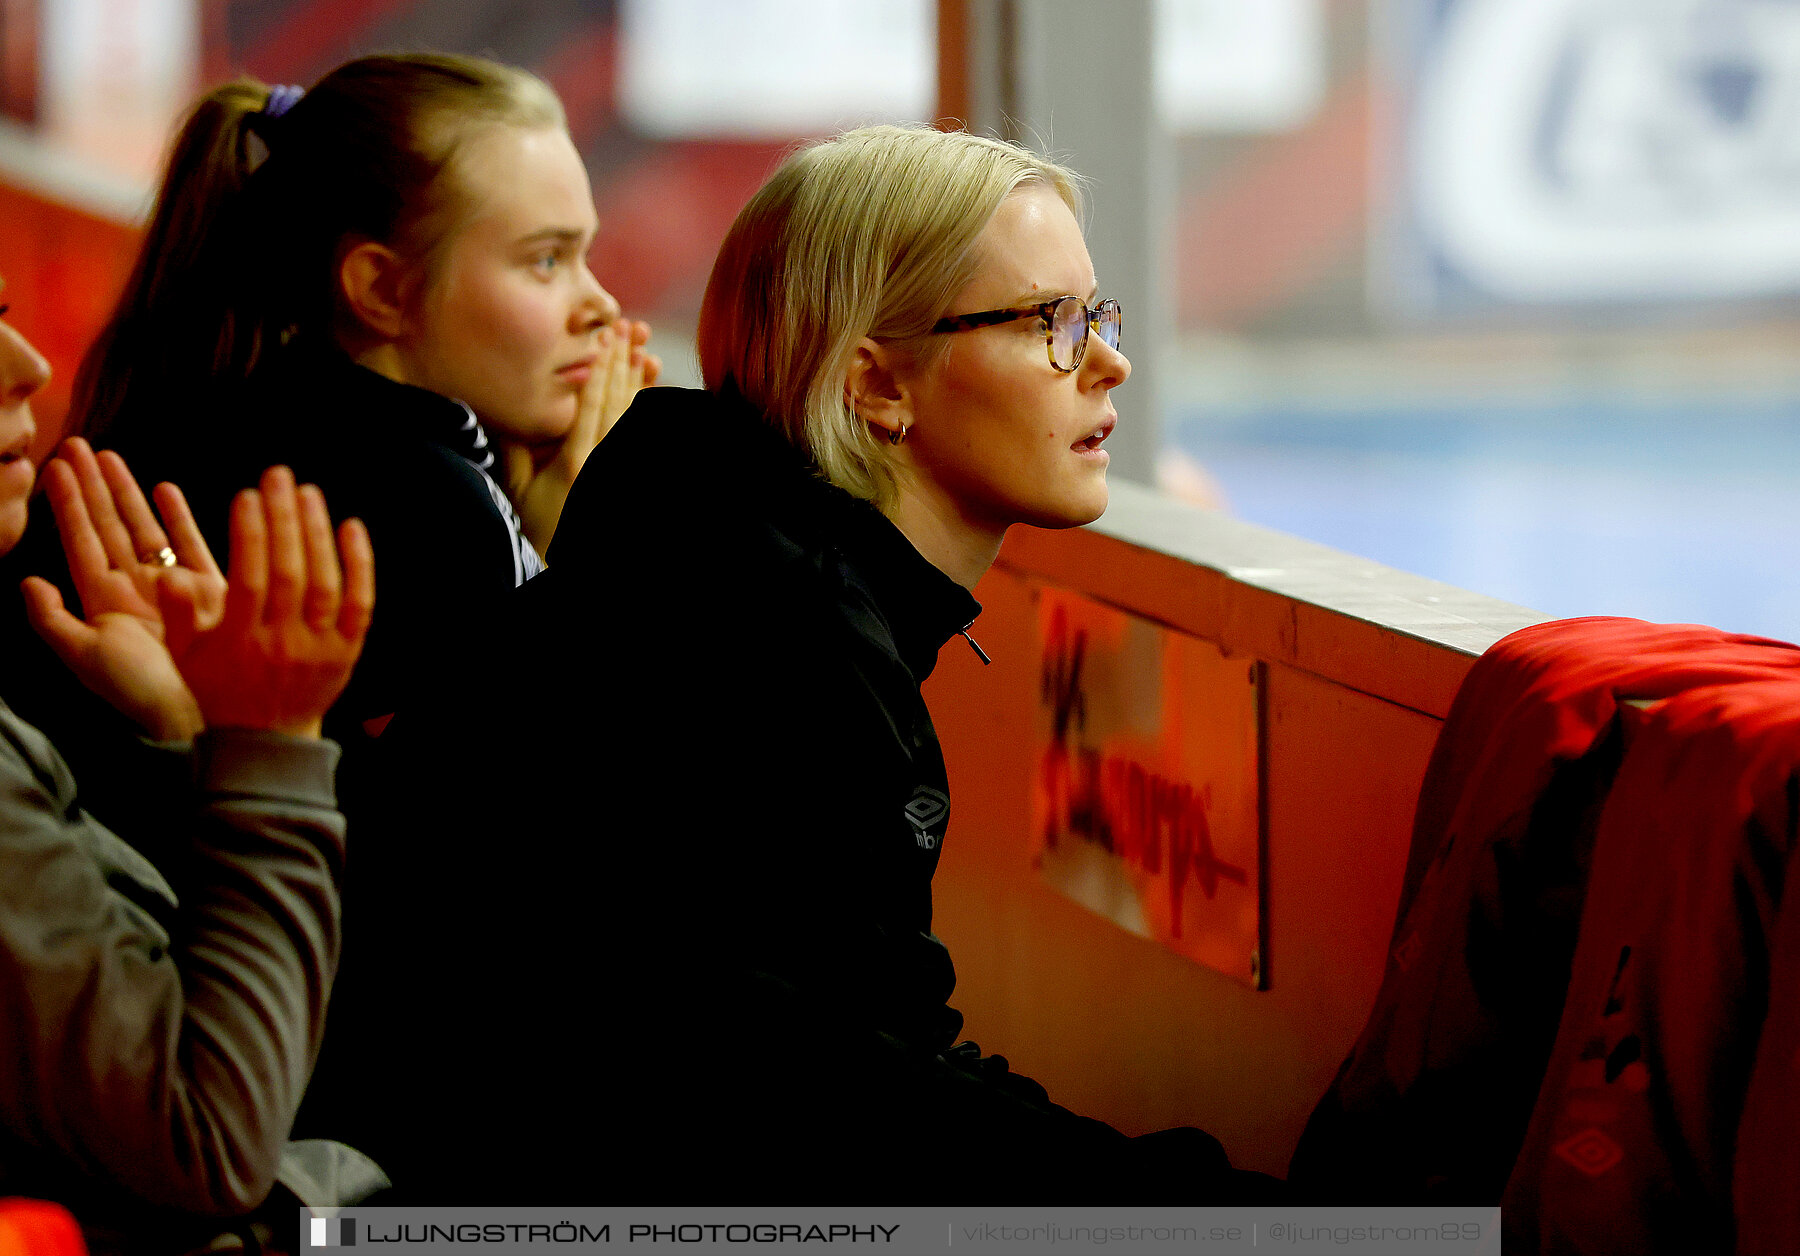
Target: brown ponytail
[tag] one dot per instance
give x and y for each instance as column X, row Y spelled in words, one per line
column 209, row 163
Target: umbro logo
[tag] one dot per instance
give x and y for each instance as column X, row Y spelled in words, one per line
column 927, row 812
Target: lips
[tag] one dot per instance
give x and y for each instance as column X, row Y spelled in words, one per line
column 1094, row 439
column 19, row 447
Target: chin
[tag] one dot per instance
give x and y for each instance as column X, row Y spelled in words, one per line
column 530, row 429
column 12, row 525
column 1081, row 517
column 1071, row 514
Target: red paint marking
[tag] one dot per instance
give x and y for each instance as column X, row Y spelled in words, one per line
column 1126, row 808
column 1137, row 815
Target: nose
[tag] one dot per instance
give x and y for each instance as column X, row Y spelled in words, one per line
column 23, row 369
column 598, row 306
column 1103, row 366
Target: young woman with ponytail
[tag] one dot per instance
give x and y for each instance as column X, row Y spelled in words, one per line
column 380, row 282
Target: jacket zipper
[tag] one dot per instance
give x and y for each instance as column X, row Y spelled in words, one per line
column 974, row 644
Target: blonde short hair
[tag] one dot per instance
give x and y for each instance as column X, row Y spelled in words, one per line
column 871, row 233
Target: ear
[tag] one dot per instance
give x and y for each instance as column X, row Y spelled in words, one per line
column 374, row 282
column 875, row 388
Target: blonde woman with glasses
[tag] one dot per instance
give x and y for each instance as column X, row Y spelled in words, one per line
column 718, row 939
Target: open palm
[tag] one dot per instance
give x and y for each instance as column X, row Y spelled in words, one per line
column 118, row 554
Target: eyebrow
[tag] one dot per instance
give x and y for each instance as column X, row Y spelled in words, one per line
column 1037, row 297
column 566, row 235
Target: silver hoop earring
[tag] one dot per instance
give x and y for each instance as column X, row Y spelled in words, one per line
column 898, row 436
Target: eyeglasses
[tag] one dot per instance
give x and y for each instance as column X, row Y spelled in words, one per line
column 1066, row 324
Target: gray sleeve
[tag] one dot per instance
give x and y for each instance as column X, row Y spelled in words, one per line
column 170, row 1067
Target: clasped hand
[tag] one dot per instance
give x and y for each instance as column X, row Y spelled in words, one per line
column 538, row 478
column 180, row 646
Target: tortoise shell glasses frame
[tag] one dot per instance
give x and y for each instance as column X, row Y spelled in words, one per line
column 1067, row 321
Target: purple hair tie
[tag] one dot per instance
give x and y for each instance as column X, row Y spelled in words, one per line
column 281, row 99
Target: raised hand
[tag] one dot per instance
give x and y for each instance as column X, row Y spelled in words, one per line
column 625, row 367
column 294, row 618
column 538, row 479
column 173, row 643
column 122, row 562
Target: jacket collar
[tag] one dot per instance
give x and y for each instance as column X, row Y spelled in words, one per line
column 740, row 459
column 416, row 411
column 924, row 607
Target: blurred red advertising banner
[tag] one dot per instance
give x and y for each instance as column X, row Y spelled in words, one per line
column 1144, row 807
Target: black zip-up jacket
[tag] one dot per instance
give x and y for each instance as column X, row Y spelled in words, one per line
column 792, row 626
column 402, row 459
column 688, row 956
